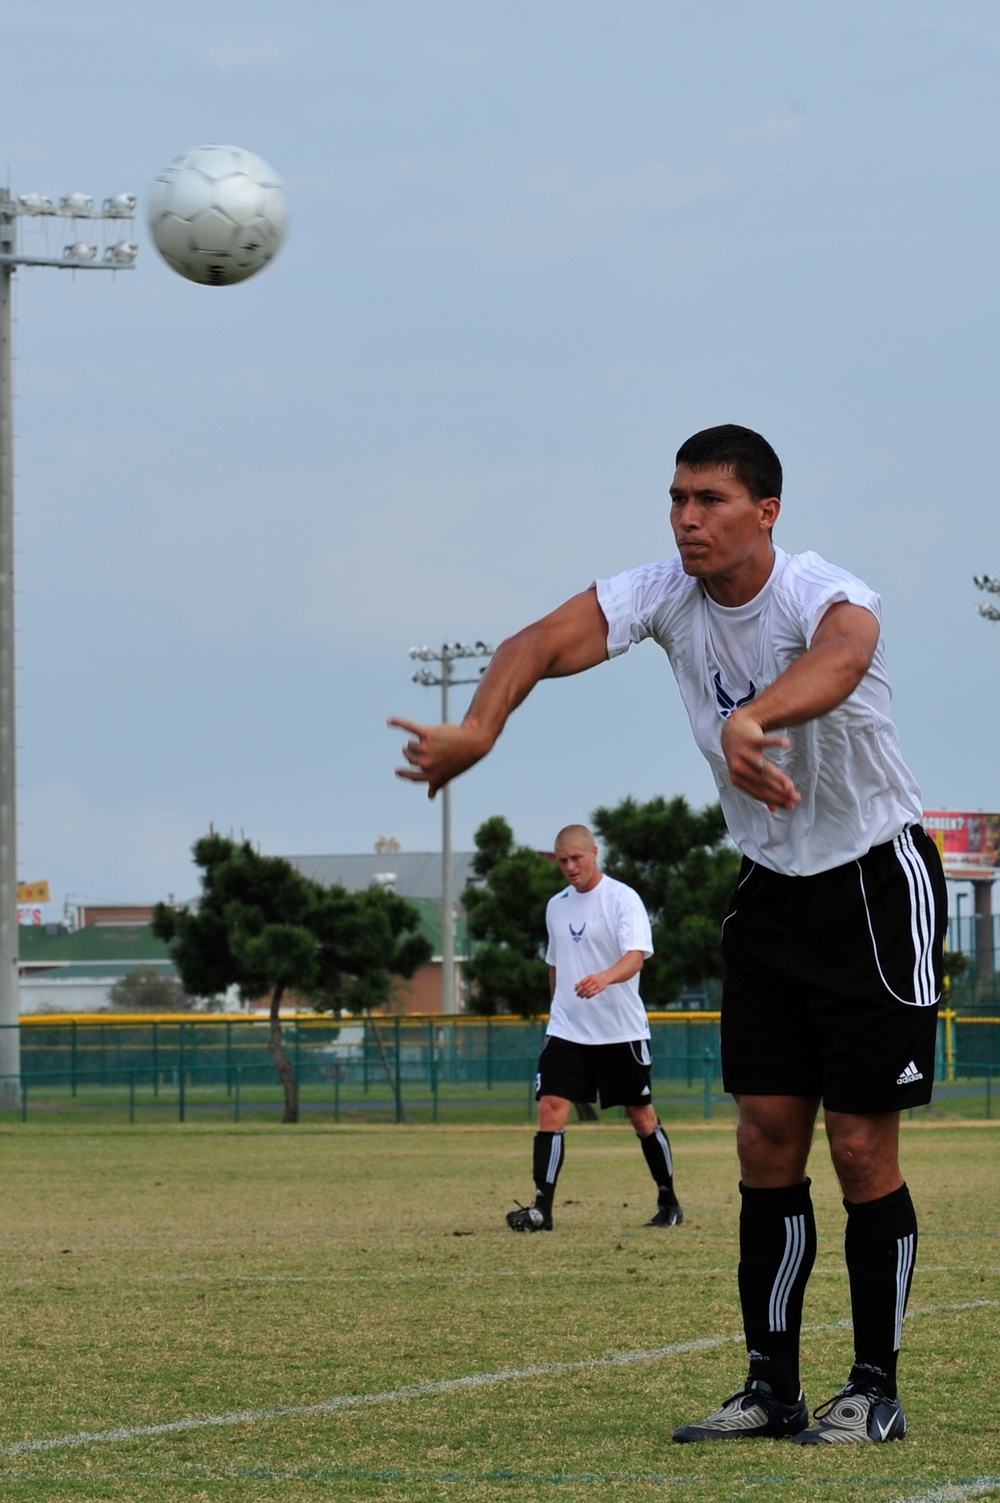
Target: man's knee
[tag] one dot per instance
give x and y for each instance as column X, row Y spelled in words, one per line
column 865, row 1153
column 643, row 1119
column 553, row 1113
column 773, row 1139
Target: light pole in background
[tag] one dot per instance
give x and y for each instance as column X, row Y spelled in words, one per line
column 77, row 252
column 982, row 920
column 444, row 679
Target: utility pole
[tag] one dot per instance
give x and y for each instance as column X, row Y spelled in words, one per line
column 76, row 255
column 445, row 679
column 982, row 891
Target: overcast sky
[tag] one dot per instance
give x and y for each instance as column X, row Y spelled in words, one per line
column 533, row 247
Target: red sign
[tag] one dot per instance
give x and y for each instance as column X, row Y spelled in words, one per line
column 969, row 842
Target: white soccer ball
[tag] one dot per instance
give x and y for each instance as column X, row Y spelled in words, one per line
column 218, row 214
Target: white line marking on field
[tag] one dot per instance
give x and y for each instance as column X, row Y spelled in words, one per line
column 954, row 1492
column 422, row 1390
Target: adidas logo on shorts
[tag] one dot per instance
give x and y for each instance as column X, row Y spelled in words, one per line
column 910, row 1075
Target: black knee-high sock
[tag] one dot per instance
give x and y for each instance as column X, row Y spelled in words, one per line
column 880, row 1248
column 549, row 1152
column 777, row 1252
column 660, row 1161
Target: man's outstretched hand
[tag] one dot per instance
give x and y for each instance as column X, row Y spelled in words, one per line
column 437, row 753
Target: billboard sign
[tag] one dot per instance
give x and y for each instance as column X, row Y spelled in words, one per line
column 969, row 842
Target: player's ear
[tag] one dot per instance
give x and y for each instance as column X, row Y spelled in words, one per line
column 769, row 510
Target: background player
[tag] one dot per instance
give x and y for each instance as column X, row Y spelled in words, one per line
column 598, row 1034
column 833, row 946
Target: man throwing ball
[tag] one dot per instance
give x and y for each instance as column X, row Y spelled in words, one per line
column 597, row 1040
column 833, row 940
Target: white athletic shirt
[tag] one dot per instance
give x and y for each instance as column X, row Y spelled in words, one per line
column 856, row 789
column 588, row 932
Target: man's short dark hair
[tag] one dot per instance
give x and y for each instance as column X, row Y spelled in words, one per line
column 750, row 457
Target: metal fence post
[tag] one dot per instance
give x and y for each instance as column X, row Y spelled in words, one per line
column 156, row 1059
column 989, row 1092
column 72, row 1056
column 336, row 1092
column 489, row 1053
column 229, row 1058
column 709, row 1075
column 24, row 1098
column 131, row 1095
column 364, row 1054
column 433, row 1069
column 399, row 1078
column 181, row 1080
column 237, row 1072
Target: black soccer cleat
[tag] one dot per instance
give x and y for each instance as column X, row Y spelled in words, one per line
column 859, row 1412
column 666, row 1216
column 529, row 1219
column 754, row 1411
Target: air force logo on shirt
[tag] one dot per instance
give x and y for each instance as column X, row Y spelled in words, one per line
column 577, row 933
column 725, row 701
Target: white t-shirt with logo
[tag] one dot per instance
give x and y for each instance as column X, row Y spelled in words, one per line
column 588, row 932
column 856, row 789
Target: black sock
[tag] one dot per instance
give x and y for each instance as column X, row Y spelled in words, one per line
column 777, row 1252
column 549, row 1152
column 656, row 1150
column 880, row 1248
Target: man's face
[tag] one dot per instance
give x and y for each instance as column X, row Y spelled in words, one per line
column 719, row 528
column 578, row 864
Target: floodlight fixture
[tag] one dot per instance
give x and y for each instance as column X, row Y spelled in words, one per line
column 120, row 206
column 34, row 203
column 77, row 205
column 122, row 253
column 992, row 586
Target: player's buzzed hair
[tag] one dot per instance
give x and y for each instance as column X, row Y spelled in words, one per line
column 750, row 457
column 577, row 833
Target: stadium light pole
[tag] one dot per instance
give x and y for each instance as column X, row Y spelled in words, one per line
column 77, row 255
column 445, row 679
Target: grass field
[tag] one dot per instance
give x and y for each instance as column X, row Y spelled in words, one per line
column 253, row 1312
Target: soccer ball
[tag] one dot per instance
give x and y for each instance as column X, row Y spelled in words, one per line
column 218, row 214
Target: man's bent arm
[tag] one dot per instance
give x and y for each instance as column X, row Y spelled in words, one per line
column 569, row 640
column 817, row 682
column 624, row 969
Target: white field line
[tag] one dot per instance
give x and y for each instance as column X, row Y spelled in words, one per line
column 954, row 1492
column 423, row 1390
column 76, row 1279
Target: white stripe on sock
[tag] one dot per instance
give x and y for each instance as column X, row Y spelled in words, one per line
column 795, row 1248
column 904, row 1269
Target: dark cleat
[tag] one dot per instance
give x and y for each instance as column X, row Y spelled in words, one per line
column 754, row 1411
column 529, row 1219
column 859, row 1412
column 666, row 1216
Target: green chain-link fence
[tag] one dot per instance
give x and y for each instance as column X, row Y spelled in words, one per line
column 396, row 1068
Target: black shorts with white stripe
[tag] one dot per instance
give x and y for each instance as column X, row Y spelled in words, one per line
column 622, row 1073
column 832, row 981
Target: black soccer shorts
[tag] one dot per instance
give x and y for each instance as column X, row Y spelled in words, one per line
column 832, row 981
column 622, row 1073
